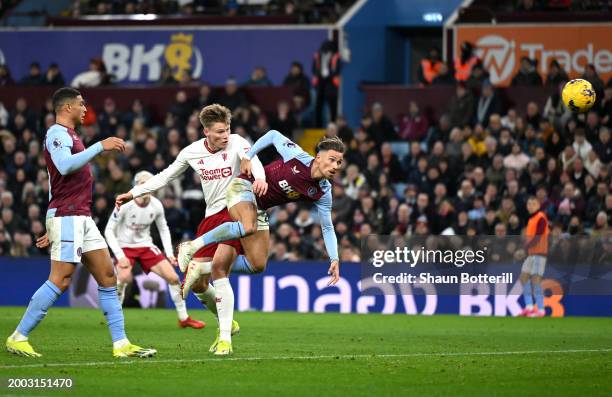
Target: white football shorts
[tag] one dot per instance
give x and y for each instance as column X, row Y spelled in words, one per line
column 71, row 236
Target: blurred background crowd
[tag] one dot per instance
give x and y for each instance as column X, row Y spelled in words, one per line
column 467, row 172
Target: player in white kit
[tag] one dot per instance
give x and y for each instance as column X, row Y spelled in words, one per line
column 216, row 160
column 128, row 234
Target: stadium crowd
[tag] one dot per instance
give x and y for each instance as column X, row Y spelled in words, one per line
column 309, row 11
column 470, row 172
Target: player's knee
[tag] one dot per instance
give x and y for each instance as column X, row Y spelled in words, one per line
column 249, row 228
column 172, row 279
column 258, row 265
column 125, row 278
column 200, row 286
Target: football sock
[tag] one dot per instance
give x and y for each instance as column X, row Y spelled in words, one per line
column 179, row 303
column 539, row 296
column 107, row 297
column 41, row 301
column 206, row 268
column 225, row 308
column 527, row 295
column 208, row 299
column 242, row 266
column 224, row 232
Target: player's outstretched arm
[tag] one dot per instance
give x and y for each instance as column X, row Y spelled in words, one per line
column 324, row 205
column 156, row 182
column 283, row 145
column 59, row 145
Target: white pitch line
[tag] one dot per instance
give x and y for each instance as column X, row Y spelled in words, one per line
column 287, row 358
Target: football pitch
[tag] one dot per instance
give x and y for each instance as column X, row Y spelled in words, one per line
column 319, row 355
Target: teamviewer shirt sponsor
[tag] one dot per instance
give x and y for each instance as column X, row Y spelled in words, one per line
column 215, row 168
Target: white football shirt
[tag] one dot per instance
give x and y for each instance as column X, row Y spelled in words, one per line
column 215, row 169
column 131, row 227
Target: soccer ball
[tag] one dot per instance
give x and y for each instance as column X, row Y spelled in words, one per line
column 578, row 95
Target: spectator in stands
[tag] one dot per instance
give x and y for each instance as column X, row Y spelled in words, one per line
column 517, row 159
column 23, row 117
column 478, row 77
column 487, row 105
column 556, row 75
column 108, row 118
column 555, row 111
column 344, row 131
column 527, row 74
column 283, row 120
column 94, row 77
column 590, row 74
column 413, row 127
column 167, row 76
column 390, row 163
column 462, row 106
column 258, row 78
column 381, row 128
column 582, row 147
column 342, row 204
column 353, row 181
column 570, row 204
column 603, row 146
column 34, row 77
column 205, row 96
column 429, row 67
column 326, row 79
column 182, row 108
column 297, row 80
column 54, row 76
column 5, row 76
column 533, row 116
column 445, row 76
column 605, row 106
column 137, row 111
column 232, row 98
column 465, row 61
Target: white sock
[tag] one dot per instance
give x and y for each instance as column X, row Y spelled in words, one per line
column 18, row 337
column 120, row 343
column 179, row 303
column 529, row 307
column 208, row 299
column 121, row 291
column 206, row 268
column 225, row 307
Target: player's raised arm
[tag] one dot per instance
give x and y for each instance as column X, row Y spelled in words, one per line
column 324, row 205
column 59, row 145
column 156, row 182
column 283, row 145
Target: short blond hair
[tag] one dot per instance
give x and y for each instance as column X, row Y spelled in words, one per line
column 331, row 143
column 215, row 113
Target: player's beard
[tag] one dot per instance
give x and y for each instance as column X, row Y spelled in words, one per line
column 77, row 120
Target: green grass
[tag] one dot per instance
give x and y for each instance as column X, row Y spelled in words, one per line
column 321, row 355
